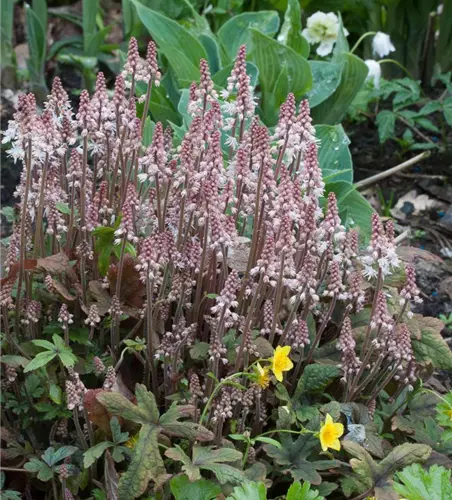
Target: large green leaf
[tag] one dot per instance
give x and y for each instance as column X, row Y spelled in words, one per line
column 37, row 44
column 90, row 9
column 290, row 33
column 316, row 378
column 39, row 361
column 146, row 465
column 326, row 77
column 237, row 31
column 6, row 25
column 182, row 49
column 119, row 405
column 419, row 484
column 333, row 109
column 270, row 55
column 334, row 155
column 354, row 210
column 221, row 77
column 249, row 491
column 430, row 348
column 183, row 489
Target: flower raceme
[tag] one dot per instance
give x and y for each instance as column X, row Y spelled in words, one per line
column 330, row 433
column 198, row 243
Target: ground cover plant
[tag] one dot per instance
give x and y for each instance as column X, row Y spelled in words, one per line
column 186, row 315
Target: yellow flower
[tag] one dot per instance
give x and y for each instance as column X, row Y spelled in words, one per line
column 330, row 434
column 263, row 376
column 281, row 362
column 449, row 412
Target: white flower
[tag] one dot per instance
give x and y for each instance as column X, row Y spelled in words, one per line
column 322, row 29
column 382, row 45
column 374, row 72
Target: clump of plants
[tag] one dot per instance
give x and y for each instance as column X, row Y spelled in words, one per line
column 184, row 312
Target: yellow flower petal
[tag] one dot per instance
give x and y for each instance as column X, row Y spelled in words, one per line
column 335, row 445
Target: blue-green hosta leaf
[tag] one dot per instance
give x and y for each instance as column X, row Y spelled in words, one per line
column 37, row 44
column 181, row 48
column 353, row 75
column 354, row 210
column 290, row 33
column 220, row 78
column 334, row 155
column 270, row 55
column 326, row 77
column 213, row 52
column 237, row 31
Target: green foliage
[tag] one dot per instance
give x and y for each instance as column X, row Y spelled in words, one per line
column 117, row 451
column 249, row 491
column 295, row 458
column 210, row 459
column 36, row 30
column 369, row 474
column 147, row 463
column 56, row 350
column 50, row 461
column 417, row 483
column 202, row 489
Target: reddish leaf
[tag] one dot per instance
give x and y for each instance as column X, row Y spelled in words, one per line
column 97, row 412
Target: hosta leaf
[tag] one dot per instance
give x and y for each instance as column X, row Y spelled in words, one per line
column 334, row 155
column 354, row 210
column 249, row 491
column 333, row 109
column 179, row 46
column 94, row 453
column 220, row 78
column 419, row 484
column 270, row 55
column 183, row 489
column 39, row 361
column 326, row 77
column 146, row 465
column 290, row 33
column 236, row 31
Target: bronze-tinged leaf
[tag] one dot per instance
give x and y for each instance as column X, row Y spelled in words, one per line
column 54, row 264
column 133, row 290
column 97, row 413
column 111, row 477
column 29, row 265
column 401, row 456
column 100, row 297
column 146, row 465
column 63, row 291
